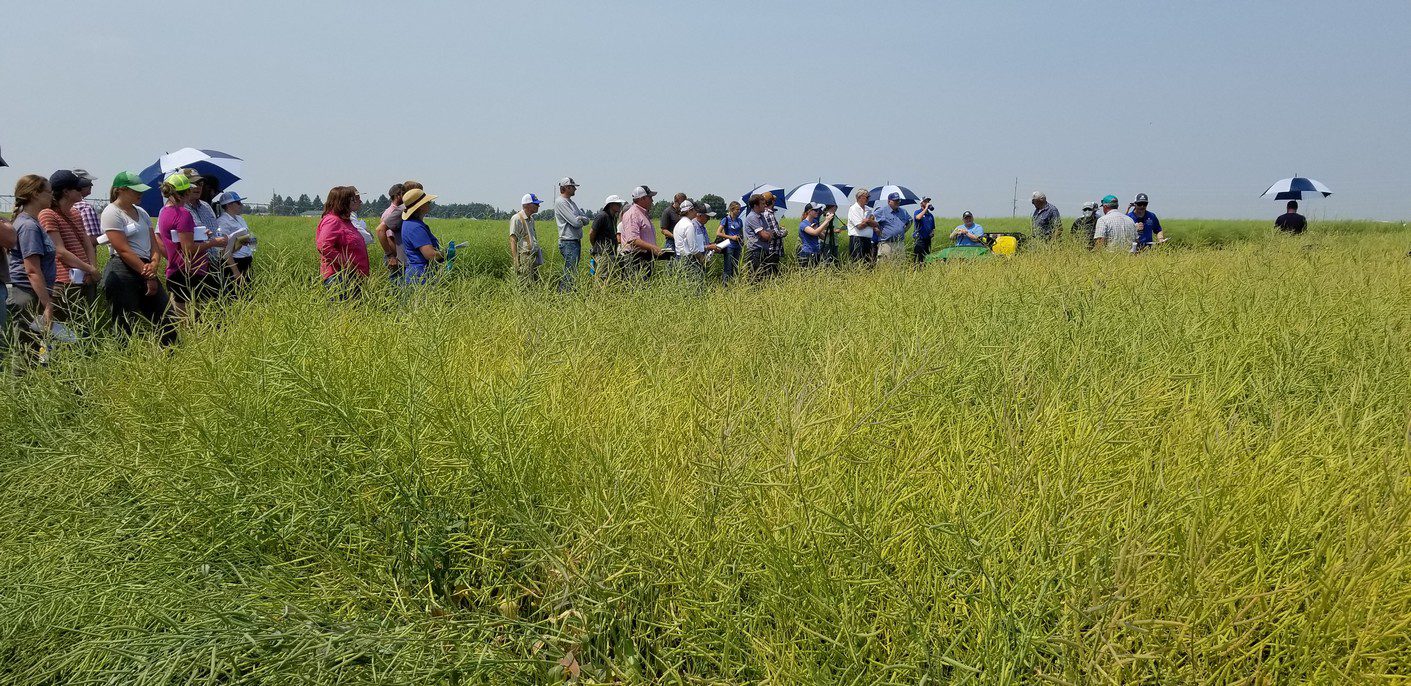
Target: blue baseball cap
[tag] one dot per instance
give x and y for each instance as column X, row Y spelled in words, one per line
column 894, row 196
column 228, row 197
column 530, row 199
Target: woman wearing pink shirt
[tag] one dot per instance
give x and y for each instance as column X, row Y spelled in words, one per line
column 189, row 277
column 342, row 253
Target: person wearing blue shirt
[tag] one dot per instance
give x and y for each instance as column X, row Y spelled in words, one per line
column 731, row 228
column 892, row 222
column 925, row 229
column 420, row 244
column 969, row 234
column 810, row 243
column 1148, row 226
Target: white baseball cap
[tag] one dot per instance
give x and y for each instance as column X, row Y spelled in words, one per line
column 687, row 206
column 567, row 181
column 614, row 199
column 643, row 192
column 1039, row 195
column 530, row 199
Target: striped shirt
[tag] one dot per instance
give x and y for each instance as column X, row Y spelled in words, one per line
column 71, row 234
column 89, row 217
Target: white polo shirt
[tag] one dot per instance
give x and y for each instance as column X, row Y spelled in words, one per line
column 857, row 214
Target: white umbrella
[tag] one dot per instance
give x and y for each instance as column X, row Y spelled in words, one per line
column 821, row 193
column 778, row 192
column 1293, row 189
column 879, row 195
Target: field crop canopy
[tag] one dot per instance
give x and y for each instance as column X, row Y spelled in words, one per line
column 1191, row 466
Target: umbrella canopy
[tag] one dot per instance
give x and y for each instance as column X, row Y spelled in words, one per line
column 1294, row 188
column 880, row 193
column 778, row 192
column 223, row 167
column 2, row 161
column 821, row 193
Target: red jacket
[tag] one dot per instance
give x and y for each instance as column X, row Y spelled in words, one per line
column 340, row 247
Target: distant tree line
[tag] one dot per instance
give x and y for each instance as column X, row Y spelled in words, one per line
column 289, row 206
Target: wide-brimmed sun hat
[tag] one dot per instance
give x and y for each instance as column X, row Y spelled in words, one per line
column 413, row 200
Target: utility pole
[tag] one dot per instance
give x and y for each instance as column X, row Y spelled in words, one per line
column 1014, row 205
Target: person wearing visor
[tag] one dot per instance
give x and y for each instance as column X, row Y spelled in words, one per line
column 811, row 231
column 187, row 245
column 208, row 223
column 420, row 245
column 1148, row 226
column 130, row 278
column 524, row 242
column 240, row 248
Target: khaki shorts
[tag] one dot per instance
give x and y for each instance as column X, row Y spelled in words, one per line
column 891, row 250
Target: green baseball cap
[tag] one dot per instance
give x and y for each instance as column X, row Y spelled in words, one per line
column 1110, row 200
column 130, row 180
column 179, row 182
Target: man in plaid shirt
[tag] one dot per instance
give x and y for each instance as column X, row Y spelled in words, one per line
column 85, row 211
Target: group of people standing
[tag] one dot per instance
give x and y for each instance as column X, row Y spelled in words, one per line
column 49, row 255
column 623, row 240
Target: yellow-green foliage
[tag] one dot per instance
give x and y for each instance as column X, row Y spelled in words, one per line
column 1192, row 466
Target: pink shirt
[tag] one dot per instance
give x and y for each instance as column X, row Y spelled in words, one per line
column 636, row 226
column 178, row 220
column 340, row 247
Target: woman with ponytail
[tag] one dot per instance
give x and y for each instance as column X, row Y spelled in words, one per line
column 32, row 260
column 130, row 278
column 189, row 277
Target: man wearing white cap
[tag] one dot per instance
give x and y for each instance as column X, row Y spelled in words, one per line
column 1047, row 223
column 571, row 221
column 1083, row 226
column 524, row 243
column 690, row 233
column 638, row 236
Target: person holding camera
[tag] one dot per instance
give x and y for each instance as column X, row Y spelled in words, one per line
column 925, row 222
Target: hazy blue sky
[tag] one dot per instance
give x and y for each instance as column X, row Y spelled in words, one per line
column 1200, row 104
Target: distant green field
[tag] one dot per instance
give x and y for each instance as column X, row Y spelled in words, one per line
column 1191, row 466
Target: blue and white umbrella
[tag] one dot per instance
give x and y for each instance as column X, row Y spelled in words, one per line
column 223, row 167
column 822, row 193
column 880, row 193
column 1294, row 188
column 778, row 192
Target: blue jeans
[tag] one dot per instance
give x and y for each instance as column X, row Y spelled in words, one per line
column 732, row 260
column 572, row 251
